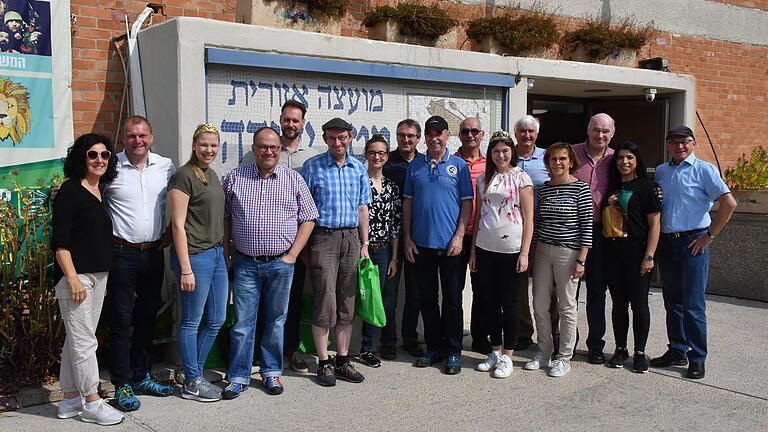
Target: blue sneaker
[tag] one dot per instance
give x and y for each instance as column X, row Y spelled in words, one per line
column 125, row 398
column 151, row 386
column 273, row 385
column 453, row 364
column 428, row 359
column 233, row 390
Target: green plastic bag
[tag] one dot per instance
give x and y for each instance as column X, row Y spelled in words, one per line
column 368, row 304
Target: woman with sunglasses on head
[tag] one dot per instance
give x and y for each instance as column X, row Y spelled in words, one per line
column 197, row 221
column 500, row 246
column 631, row 225
column 562, row 237
column 383, row 234
column 82, row 242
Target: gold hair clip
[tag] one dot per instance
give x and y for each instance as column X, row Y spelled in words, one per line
column 205, row 128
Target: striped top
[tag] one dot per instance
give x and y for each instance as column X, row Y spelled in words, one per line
column 564, row 215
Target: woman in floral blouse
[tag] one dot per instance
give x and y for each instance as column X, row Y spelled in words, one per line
column 500, row 246
column 383, row 233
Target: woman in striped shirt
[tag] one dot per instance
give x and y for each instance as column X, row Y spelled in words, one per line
column 563, row 236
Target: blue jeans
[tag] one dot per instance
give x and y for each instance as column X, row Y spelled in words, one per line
column 269, row 281
column 209, row 296
column 684, row 280
column 380, row 257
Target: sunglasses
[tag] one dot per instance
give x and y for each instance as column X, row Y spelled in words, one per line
column 93, row 154
column 468, row 131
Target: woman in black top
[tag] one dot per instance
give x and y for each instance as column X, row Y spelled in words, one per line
column 82, row 241
column 631, row 223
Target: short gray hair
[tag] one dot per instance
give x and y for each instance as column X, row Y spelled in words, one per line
column 527, row 120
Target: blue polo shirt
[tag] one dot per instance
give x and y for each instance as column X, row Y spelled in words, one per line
column 689, row 191
column 437, row 191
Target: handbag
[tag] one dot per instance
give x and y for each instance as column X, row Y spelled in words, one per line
column 368, row 303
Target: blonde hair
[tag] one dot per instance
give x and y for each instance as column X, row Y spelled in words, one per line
column 193, row 162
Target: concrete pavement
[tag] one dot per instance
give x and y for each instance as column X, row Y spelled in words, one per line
column 397, row 396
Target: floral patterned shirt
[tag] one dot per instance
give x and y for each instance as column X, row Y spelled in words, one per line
column 385, row 213
column 500, row 228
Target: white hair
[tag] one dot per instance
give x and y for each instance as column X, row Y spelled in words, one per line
column 527, row 120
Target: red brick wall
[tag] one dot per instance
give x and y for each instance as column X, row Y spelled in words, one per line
column 731, row 79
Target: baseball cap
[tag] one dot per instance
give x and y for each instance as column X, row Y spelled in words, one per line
column 680, row 131
column 436, row 122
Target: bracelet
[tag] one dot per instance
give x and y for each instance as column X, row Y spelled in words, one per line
column 187, row 274
column 523, row 254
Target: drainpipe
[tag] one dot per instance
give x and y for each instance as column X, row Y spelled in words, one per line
column 134, row 61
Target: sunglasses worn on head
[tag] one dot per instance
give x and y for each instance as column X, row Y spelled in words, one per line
column 467, row 131
column 93, row 154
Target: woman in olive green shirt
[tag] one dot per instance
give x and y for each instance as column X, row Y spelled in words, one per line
column 197, row 218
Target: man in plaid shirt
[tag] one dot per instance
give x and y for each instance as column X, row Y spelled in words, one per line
column 268, row 215
column 341, row 189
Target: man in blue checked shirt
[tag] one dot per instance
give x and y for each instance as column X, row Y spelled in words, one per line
column 268, row 215
column 341, row 189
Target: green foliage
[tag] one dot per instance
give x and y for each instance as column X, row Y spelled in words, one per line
column 31, row 330
column 329, row 8
column 601, row 39
column 428, row 22
column 749, row 174
column 520, row 32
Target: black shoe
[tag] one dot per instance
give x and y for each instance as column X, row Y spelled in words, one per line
column 388, row 352
column 413, row 348
column 640, row 363
column 481, row 348
column 347, row 372
column 695, row 370
column 596, row 356
column 669, row 358
column 523, row 344
column 369, row 359
column 326, row 376
column 619, row 357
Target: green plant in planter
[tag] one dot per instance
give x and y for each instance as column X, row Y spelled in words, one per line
column 328, row 8
column 428, row 22
column 520, row 32
column 601, row 39
column 749, row 174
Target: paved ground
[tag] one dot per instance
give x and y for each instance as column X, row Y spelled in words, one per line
column 733, row 396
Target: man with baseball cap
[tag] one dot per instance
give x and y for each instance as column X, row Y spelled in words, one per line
column 341, row 190
column 437, row 203
column 690, row 187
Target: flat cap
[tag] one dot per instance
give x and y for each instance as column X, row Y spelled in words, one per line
column 337, row 123
column 436, row 122
column 681, row 131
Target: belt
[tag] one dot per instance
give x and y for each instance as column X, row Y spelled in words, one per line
column 326, row 229
column 263, row 258
column 377, row 245
column 679, row 234
column 140, row 246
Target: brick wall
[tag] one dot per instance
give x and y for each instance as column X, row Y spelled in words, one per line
column 731, row 79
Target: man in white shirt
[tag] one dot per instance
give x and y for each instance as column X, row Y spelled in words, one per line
column 136, row 202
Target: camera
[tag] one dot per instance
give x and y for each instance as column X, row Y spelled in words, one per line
column 650, row 94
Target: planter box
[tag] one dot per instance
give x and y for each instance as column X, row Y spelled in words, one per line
column 625, row 57
column 489, row 45
column 281, row 14
column 749, row 201
column 390, row 31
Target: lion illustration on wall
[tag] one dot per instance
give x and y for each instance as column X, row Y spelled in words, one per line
column 15, row 114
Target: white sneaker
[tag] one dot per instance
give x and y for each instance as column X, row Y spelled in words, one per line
column 69, row 408
column 559, row 368
column 503, row 367
column 100, row 412
column 539, row 359
column 489, row 363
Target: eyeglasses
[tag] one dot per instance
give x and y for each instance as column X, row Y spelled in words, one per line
column 683, row 142
column 93, row 154
column 473, row 131
column 265, row 148
column 376, row 154
column 405, row 135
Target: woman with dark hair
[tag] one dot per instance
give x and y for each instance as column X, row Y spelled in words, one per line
column 631, row 225
column 563, row 236
column 197, row 221
column 500, row 243
column 82, row 242
column 384, row 214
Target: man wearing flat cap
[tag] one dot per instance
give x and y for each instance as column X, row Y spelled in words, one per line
column 690, row 187
column 437, row 203
column 341, row 190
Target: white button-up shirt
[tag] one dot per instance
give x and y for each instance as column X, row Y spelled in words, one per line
column 136, row 199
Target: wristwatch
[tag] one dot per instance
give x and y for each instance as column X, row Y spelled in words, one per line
column 581, row 263
column 648, row 258
column 366, row 243
column 710, row 235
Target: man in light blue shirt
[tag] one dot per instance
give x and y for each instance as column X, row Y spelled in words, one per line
column 690, row 187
